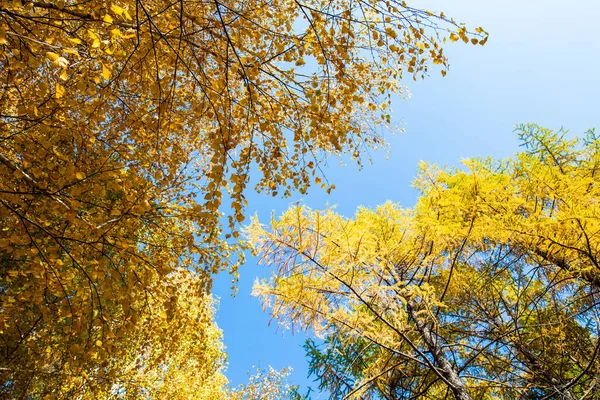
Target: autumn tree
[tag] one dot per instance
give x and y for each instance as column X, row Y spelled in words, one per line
column 488, row 288
column 130, row 128
column 267, row 384
column 173, row 351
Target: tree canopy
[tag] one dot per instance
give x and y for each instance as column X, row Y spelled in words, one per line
column 131, row 129
column 487, row 288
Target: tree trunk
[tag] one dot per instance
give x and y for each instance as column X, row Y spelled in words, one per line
column 447, row 370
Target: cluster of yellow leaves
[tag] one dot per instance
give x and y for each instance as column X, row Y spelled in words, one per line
column 173, row 351
column 488, row 288
column 543, row 201
column 265, row 384
column 358, row 279
column 125, row 127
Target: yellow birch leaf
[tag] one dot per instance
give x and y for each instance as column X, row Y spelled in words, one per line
column 105, row 72
column 129, row 33
column 108, row 19
column 60, row 90
column 116, row 9
column 60, row 62
column 391, row 33
column 52, row 56
column 95, row 38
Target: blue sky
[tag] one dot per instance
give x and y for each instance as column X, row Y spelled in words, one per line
column 541, row 64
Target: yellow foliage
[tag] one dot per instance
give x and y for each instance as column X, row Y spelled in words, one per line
column 543, row 201
column 173, row 351
column 127, row 130
column 487, row 289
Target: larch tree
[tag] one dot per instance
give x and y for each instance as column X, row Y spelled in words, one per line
column 488, row 288
column 130, row 128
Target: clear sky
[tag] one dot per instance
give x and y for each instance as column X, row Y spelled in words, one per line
column 541, row 64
